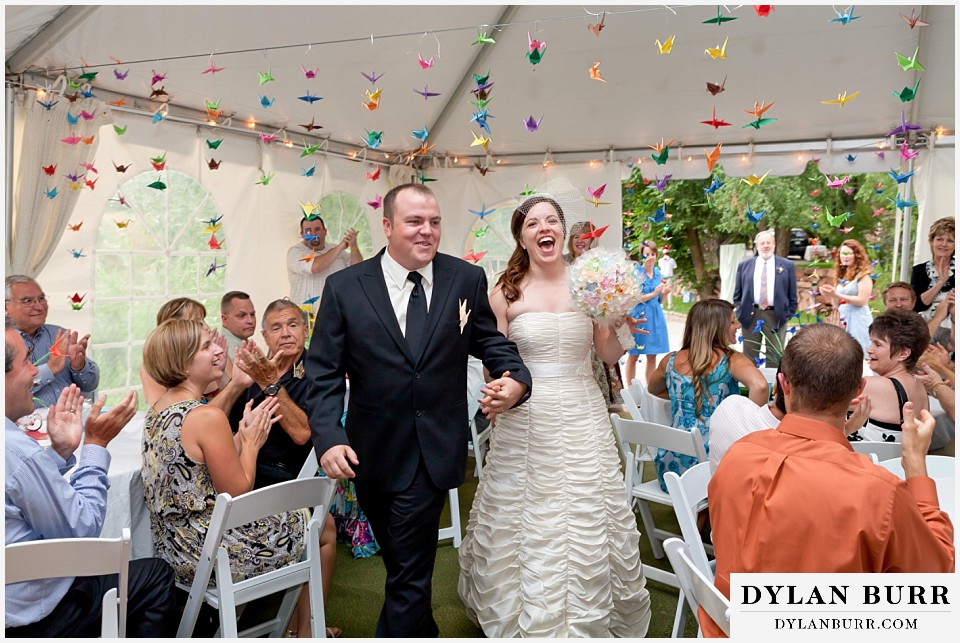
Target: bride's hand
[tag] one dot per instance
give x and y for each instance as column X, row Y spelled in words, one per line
column 501, row 394
column 634, row 322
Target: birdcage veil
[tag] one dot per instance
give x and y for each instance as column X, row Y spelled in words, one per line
column 567, row 197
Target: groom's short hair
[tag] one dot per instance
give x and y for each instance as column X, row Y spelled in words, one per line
column 390, row 201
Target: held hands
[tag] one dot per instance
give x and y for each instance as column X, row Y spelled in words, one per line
column 500, row 395
column 255, row 425
column 916, row 440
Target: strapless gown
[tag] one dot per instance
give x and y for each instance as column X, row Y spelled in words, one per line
column 552, row 547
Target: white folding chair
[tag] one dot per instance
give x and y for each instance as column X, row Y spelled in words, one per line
column 630, row 433
column 631, row 401
column 689, row 495
column 226, row 595
column 61, row 557
column 697, row 588
column 453, row 531
column 883, row 450
column 478, row 440
column 655, row 409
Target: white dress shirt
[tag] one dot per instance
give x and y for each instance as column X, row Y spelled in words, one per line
column 735, row 417
column 771, row 277
column 399, row 287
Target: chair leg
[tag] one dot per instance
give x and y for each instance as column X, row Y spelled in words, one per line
column 649, row 525
column 318, row 622
column 680, row 617
column 455, row 516
column 228, row 606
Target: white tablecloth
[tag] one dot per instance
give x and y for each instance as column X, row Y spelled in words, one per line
column 125, row 504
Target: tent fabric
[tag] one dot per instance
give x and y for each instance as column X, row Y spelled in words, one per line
column 42, row 203
column 935, row 188
column 795, row 57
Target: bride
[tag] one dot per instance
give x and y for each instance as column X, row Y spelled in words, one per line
column 551, row 548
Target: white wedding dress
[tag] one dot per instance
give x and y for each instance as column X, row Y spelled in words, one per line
column 551, row 549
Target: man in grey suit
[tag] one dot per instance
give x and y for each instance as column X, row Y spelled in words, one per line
column 401, row 325
column 765, row 297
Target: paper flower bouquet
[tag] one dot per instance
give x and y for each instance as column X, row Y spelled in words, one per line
column 605, row 285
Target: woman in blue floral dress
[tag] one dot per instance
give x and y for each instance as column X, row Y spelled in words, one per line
column 701, row 374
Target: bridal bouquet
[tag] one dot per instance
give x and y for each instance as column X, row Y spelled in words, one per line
column 605, row 285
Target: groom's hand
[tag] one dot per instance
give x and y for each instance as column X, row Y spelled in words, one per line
column 336, row 462
column 501, row 394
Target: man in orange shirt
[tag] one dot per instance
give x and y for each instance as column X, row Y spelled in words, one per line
column 798, row 499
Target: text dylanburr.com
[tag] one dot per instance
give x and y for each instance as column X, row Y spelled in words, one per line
column 860, row 606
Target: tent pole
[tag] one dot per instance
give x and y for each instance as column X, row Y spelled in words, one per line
column 905, row 265
column 71, row 17
column 11, row 113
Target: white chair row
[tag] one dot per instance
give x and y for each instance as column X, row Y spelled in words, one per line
column 68, row 557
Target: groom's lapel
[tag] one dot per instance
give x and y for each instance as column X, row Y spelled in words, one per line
column 375, row 289
column 442, row 285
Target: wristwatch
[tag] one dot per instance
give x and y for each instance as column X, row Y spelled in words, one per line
column 272, row 390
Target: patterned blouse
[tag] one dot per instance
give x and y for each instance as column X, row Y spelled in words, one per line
column 180, row 496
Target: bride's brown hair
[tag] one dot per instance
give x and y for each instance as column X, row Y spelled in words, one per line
column 519, row 263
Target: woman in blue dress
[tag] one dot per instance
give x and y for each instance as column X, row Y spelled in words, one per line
column 701, row 374
column 851, row 291
column 653, row 292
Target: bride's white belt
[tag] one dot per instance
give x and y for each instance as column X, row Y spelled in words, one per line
column 557, row 369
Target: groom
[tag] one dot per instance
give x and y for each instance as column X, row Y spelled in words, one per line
column 401, row 326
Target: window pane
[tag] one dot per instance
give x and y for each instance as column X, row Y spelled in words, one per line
column 149, row 273
column 144, row 317
column 183, row 274
column 113, row 367
column 341, row 211
column 109, row 324
column 112, row 276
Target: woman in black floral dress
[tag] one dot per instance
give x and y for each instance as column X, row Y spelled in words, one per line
column 190, row 455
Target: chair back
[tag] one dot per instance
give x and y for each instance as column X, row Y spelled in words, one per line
column 630, row 404
column 698, row 590
column 314, row 493
column 655, row 409
column 56, row 558
column 657, row 435
column 883, row 450
column 310, row 466
column 689, row 495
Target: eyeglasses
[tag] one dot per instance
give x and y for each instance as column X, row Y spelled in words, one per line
column 30, row 301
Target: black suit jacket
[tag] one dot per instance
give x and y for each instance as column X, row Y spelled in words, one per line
column 784, row 291
column 401, row 408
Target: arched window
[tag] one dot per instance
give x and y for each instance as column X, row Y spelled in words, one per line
column 157, row 240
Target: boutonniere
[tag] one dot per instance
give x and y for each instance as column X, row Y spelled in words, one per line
column 779, row 269
column 299, row 371
column 464, row 314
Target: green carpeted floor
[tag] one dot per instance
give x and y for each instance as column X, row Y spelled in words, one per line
column 357, row 595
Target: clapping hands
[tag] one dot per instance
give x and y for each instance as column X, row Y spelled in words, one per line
column 349, row 239
column 251, row 360
column 67, row 346
column 255, row 425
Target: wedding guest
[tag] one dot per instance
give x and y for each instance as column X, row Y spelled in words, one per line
column 41, row 504
column 839, row 512
column 238, row 319
column 186, row 308
column 933, row 279
column 899, row 295
column 310, row 262
column 700, row 375
column 26, row 305
column 190, row 455
column 653, row 290
column 668, row 266
column 897, row 340
column 851, row 290
column 765, row 296
column 607, row 377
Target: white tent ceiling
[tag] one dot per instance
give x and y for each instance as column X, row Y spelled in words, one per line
column 795, row 57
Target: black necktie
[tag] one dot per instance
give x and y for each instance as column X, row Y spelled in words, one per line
column 416, row 314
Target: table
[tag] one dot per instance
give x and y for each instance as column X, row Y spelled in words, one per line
column 126, row 506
